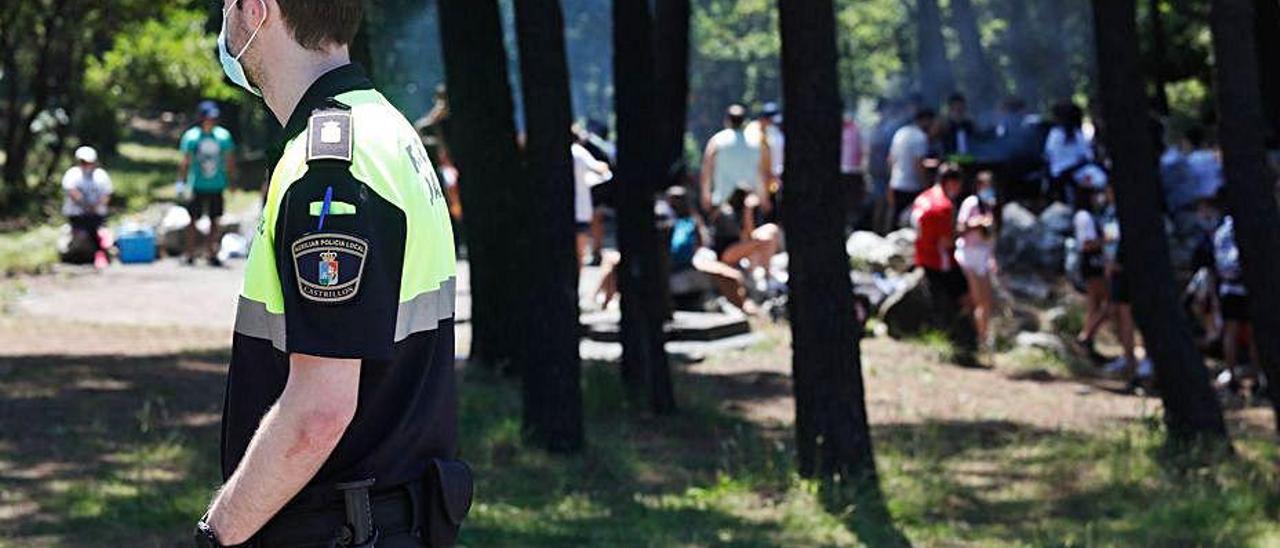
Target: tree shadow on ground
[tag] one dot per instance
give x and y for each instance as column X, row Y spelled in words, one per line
column 641, row 480
column 107, row 449
column 866, row 510
column 1001, row 481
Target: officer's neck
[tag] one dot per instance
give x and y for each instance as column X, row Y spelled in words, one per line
column 294, row 74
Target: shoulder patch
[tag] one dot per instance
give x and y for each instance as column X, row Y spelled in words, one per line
column 329, row 135
column 328, row 266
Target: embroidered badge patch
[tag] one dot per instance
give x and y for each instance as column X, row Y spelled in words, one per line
column 329, row 266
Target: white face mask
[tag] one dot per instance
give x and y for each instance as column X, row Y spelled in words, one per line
column 231, row 64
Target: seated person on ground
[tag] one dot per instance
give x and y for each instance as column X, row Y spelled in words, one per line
column 88, row 191
column 694, row 267
column 736, row 239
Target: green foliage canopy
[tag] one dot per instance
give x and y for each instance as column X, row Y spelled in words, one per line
column 167, row 63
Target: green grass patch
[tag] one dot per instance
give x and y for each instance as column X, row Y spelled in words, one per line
column 1032, row 362
column 703, row 477
column 142, row 174
column 1001, row 483
column 937, row 343
column 29, row 252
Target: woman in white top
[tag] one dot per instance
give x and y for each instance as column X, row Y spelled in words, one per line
column 975, row 250
column 1091, row 240
column 1066, row 149
column 587, row 172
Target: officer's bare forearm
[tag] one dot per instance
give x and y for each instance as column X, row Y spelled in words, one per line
column 295, row 438
column 184, row 166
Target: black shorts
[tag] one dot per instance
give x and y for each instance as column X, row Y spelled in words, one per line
column 1234, row 307
column 205, row 202
column 1091, row 266
column 602, row 195
column 1119, row 287
column 88, row 224
column 582, row 228
column 951, row 282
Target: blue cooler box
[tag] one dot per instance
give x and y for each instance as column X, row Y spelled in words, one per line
column 137, row 246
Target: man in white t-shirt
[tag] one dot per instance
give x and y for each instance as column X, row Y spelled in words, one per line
column 1204, row 166
column 733, row 160
column 908, row 161
column 87, row 189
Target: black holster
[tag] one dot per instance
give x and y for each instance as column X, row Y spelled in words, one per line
column 360, row 514
column 449, row 488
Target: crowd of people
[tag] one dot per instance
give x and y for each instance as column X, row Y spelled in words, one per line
column 945, row 175
column 949, row 177
column 1022, row 158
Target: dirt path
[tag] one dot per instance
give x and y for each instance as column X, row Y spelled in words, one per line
column 167, row 307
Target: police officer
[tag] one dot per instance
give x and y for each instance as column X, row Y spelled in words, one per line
column 339, row 423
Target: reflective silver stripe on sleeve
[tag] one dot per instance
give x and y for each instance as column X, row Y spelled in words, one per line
column 254, row 320
column 426, row 311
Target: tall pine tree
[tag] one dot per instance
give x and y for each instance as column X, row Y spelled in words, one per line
column 1250, row 188
column 552, row 367
column 935, row 75
column 641, row 279
column 481, row 137
column 832, row 434
column 1191, row 411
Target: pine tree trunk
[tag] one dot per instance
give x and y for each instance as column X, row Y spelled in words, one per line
column 1250, row 198
column 832, row 435
column 980, row 76
column 482, row 141
column 936, row 78
column 641, row 278
column 1268, row 38
column 552, row 368
column 672, row 51
column 1191, row 409
column 1018, row 44
column 1159, row 44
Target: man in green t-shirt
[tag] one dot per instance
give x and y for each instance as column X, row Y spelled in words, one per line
column 208, row 164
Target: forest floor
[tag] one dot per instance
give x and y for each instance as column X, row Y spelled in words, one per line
column 111, row 386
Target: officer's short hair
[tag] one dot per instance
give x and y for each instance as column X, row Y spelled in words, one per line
column 316, row 25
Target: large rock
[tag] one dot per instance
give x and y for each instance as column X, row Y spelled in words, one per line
column 1047, row 342
column 1027, row 287
column 904, row 241
column 1057, row 218
column 1019, row 242
column 868, row 251
column 1051, row 252
column 909, row 310
column 869, row 286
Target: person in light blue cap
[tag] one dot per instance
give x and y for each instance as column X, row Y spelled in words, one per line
column 208, row 165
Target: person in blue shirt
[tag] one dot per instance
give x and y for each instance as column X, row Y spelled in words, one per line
column 208, row 165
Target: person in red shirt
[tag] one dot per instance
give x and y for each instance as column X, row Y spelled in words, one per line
column 933, row 213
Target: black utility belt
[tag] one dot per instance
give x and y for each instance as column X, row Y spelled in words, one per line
column 361, row 513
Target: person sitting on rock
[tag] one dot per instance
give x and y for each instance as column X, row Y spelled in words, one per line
column 88, row 191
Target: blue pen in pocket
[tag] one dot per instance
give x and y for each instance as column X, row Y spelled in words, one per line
column 324, row 209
